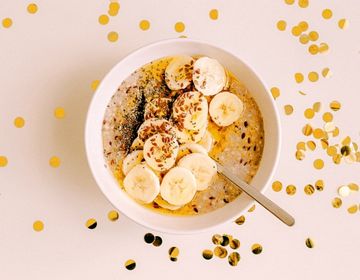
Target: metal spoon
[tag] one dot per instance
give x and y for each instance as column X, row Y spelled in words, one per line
column 256, row 195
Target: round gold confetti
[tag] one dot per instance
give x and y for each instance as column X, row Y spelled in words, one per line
column 318, row 107
column 355, row 147
column 32, row 8
column 318, row 163
column 324, row 48
column 299, row 78
column 113, row 216
column 3, row 161
column 327, row 117
column 336, row 132
column 304, row 39
column 319, row 185
column 179, row 27
column 234, row 244
column 149, row 238
column 352, row 208
column 335, row 105
column 91, row 223
column 288, row 110
column 252, row 208
column 95, row 84
column 7, row 22
column 345, row 150
column 289, row 2
column 240, row 221
column 38, row 226
column 281, row 25
column 256, row 249
column 296, row 31
column 323, row 144
column 336, row 202
column 207, row 254
column 337, row 158
column 113, row 36
column 158, row 241
column 130, row 264
column 54, row 162
column 303, row 3
column 326, row 14
column 304, row 26
column 318, row 133
column 220, row 252
column 103, row 19
column 173, row 252
column 350, row 159
column 275, row 92
column 343, row 24
column 226, row 240
column 326, row 73
column 301, row 146
column 290, row 189
column 345, row 140
column 214, row 14
column 59, row 113
column 309, row 189
column 329, row 127
column 313, row 36
column 300, row 155
column 277, row 186
column 354, row 188
column 311, row 145
column 310, row 242
column 313, row 76
column 144, row 25
column 19, row 122
column 234, row 258
column 344, row 191
column 114, row 6
column 113, row 13
column 217, row 239
column 313, row 49
column 307, row 130
column 309, row 113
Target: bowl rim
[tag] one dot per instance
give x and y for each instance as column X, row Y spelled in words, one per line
column 95, row 172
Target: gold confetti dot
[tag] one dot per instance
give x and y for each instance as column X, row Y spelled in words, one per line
column 301, row 146
column 130, row 264
column 207, row 254
column 179, row 27
column 309, row 189
column 326, row 73
column 275, row 92
column 113, row 216
column 91, row 223
column 336, row 132
column 296, row 31
column 103, row 19
column 220, row 252
column 252, row 208
column 300, row 155
column 95, row 84
column 281, row 25
column 226, row 240
column 290, row 189
column 304, row 39
column 318, row 163
column 32, row 8
column 304, row 26
column 217, row 239
column 144, row 25
column 3, row 161
column 345, row 150
column 345, row 140
column 318, row 133
column 313, row 36
column 214, row 14
column 326, row 14
column 113, row 13
column 337, row 158
column 173, row 252
column 234, row 258
column 240, row 221
column 149, row 238
column 319, row 185
column 38, row 226
column 19, row 122
column 327, row 117
column 158, row 241
column 354, row 188
column 299, row 78
column 343, row 24
column 324, row 48
column 323, row 144
column 307, row 130
column 352, row 208
column 54, row 162
column 309, row 113
column 313, row 76
column 313, row 49
column 336, row 202
column 310, row 242
column 234, row 244
column 113, row 36
column 277, row 186
column 350, row 159
column 256, row 249
column 114, row 6
column 311, row 145
column 344, row 191
column 7, row 22
column 335, row 105
column 289, row 2
column 59, row 112
column 318, row 107
column 303, row 3
column 288, row 110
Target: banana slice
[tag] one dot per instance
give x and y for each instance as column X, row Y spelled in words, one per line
column 209, row 76
column 178, row 73
column 178, row 186
column 207, row 141
column 190, row 148
column 158, row 108
column 225, row 108
column 137, row 144
column 203, row 168
column 164, row 204
column 142, row 184
column 153, row 126
column 131, row 160
column 184, row 135
column 160, row 151
column 157, row 172
column 191, row 110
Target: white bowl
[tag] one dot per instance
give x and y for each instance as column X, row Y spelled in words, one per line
column 107, row 183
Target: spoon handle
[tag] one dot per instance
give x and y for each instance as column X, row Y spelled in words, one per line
column 257, row 196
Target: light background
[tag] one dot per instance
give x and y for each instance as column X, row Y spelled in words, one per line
column 51, row 58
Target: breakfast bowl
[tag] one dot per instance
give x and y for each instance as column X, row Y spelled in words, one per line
column 228, row 210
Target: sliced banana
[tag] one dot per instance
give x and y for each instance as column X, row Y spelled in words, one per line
column 225, row 108
column 203, row 168
column 209, row 76
column 131, row 160
column 160, row 151
column 137, row 144
column 178, row 73
column 184, row 135
column 207, row 141
column 190, row 148
column 191, row 110
column 158, row 108
column 142, row 184
column 153, row 126
column 157, row 172
column 178, row 186
column 164, row 204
